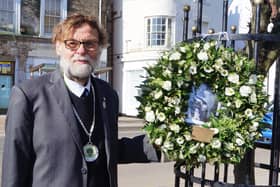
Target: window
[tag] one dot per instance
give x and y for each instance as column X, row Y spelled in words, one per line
column 52, row 11
column 158, row 31
column 7, row 15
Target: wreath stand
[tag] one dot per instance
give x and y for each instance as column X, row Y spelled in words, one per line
column 189, row 176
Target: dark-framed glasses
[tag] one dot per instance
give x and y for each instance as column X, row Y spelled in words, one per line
column 90, row 45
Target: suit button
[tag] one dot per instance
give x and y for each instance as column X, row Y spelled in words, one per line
column 84, row 171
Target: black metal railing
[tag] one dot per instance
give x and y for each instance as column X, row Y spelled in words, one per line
column 180, row 171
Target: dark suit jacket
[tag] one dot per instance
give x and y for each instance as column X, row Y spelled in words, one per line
column 43, row 147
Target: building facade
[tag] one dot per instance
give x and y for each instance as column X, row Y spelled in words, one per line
column 25, row 36
column 143, row 29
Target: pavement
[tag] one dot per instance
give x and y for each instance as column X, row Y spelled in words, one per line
column 159, row 174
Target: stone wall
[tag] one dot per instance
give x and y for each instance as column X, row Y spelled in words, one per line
column 87, row 7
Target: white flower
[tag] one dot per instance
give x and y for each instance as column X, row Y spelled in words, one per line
column 147, row 109
column 167, row 85
column 180, row 140
column 167, row 73
column 253, row 98
column 163, row 126
column 216, row 144
column 238, row 103
column 224, row 72
column 202, row 56
column 245, row 90
column 218, row 63
column 177, row 110
column 168, row 145
column 206, row 46
column 196, row 45
column 208, row 69
column 253, row 79
column 150, row 116
column 254, row 126
column 248, row 112
column 229, row 146
column 239, row 141
column 188, row 137
column 215, row 130
column 157, row 94
column 182, row 49
column 233, row 77
column 229, row 91
column 175, row 128
column 175, row 56
column 270, row 27
column 161, row 116
column 193, row 69
column 158, row 141
column 193, row 149
column 180, row 83
column 201, row 158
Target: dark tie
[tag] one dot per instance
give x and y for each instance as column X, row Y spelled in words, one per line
column 85, row 93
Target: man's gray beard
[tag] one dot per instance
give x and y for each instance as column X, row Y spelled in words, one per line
column 79, row 71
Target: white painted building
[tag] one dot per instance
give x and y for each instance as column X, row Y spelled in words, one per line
column 143, row 29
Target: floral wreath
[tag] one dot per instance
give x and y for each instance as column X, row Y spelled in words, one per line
column 166, row 92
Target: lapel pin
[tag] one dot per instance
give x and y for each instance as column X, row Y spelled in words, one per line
column 104, row 102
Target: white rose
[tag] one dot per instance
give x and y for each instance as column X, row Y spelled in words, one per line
column 168, row 145
column 167, row 73
column 202, row 56
column 206, row 46
column 158, row 141
column 188, row 137
column 180, row 140
column 201, row 158
column 253, row 79
column 193, row 149
column 249, row 112
column 158, row 94
column 161, row 116
column 175, row 56
column 183, row 49
column 239, row 142
column 167, row 85
column 238, row 103
column 208, row 69
column 253, row 98
column 175, row 128
column 254, row 126
column 233, row 77
column 147, row 109
column 193, row 70
column 150, row 116
column 224, row 72
column 216, row 144
column 229, row 91
column 245, row 91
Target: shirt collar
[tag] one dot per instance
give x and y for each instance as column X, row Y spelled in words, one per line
column 75, row 87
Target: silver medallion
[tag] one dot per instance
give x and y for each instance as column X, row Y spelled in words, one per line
column 91, row 152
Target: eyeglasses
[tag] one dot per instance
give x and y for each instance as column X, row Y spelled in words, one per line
column 90, row 45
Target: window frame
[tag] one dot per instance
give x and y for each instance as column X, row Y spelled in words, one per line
column 154, row 26
column 15, row 16
column 63, row 15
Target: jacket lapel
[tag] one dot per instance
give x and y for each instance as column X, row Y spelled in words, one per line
column 102, row 103
column 61, row 95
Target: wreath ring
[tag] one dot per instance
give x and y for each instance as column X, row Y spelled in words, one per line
column 167, row 91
